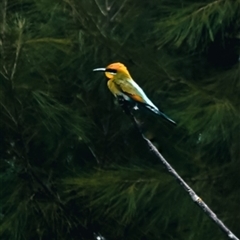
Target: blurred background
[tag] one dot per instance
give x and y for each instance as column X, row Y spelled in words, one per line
column 72, row 166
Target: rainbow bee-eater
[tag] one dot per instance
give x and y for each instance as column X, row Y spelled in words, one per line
column 124, row 88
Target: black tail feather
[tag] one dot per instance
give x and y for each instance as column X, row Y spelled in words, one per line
column 127, row 105
column 156, row 111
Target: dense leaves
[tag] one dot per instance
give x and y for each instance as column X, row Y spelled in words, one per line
column 71, row 164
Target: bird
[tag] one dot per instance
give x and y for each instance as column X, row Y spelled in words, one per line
column 126, row 90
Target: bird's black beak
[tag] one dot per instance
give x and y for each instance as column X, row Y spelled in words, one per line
column 99, row 69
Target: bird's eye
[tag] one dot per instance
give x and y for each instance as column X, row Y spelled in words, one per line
column 111, row 71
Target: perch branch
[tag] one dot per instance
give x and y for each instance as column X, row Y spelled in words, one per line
column 195, row 198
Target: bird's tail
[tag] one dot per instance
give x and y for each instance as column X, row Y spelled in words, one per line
column 167, row 118
column 156, row 111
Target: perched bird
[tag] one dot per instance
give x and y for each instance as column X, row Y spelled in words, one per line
column 125, row 89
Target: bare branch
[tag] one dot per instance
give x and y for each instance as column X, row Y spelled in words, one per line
column 195, row 198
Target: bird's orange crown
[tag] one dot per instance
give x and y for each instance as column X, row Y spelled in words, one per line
column 116, row 69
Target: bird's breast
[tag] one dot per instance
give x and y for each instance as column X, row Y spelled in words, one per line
column 116, row 90
column 113, row 87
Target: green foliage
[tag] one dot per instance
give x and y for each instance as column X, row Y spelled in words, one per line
column 71, row 163
column 196, row 23
column 128, row 196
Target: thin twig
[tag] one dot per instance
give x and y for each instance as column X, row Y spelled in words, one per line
column 111, row 4
column 94, row 154
column 8, row 113
column 21, row 23
column 196, row 199
column 118, row 11
column 206, row 6
column 100, row 8
column 4, row 75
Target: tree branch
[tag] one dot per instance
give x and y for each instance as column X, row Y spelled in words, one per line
column 195, row 198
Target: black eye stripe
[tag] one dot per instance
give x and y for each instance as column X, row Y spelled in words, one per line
column 111, row 70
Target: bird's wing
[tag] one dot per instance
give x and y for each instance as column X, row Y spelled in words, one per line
column 131, row 89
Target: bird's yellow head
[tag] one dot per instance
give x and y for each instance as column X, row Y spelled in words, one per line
column 113, row 70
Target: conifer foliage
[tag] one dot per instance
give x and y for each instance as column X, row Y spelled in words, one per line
column 71, row 163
